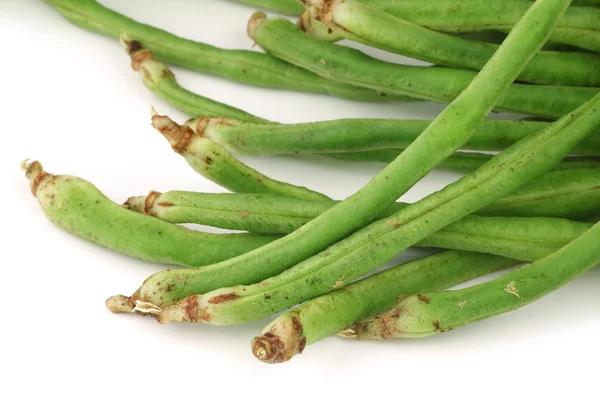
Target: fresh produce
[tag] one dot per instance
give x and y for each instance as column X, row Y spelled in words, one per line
column 451, row 129
column 284, row 40
column 238, row 65
column 444, row 311
column 312, row 258
column 78, row 207
column 369, row 25
column 324, row 316
column 573, row 194
column 579, row 27
column 213, row 162
column 360, row 253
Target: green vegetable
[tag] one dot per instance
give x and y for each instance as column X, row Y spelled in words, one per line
column 213, row 162
column 444, row 311
column 374, row 27
column 237, row 65
column 284, row 40
column 579, row 26
column 367, row 249
column 78, row 207
column 290, row 7
column 352, row 135
column 324, row 316
column 566, row 194
column 449, row 131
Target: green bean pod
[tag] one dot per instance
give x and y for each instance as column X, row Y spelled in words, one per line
column 449, row 131
column 443, row 311
column 290, row 7
column 324, row 316
column 565, row 194
column 371, row 26
column 213, row 162
column 579, row 26
column 159, row 78
column 464, row 162
column 370, row 247
column 237, row 65
column 352, row 135
column 78, row 207
column 284, row 40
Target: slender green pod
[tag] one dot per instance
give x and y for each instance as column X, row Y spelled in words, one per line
column 443, row 311
column 565, row 194
column 370, row 247
column 449, row 131
column 78, row 207
column 213, row 162
column 290, row 7
column 159, row 78
column 464, row 162
column 237, row 65
column 523, row 238
column 284, row 40
column 371, row 26
column 324, row 316
column 354, row 134
column 579, row 26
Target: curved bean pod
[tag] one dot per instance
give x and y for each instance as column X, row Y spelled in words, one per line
column 579, row 26
column 443, row 311
column 284, row 40
column 290, row 7
column 324, row 316
column 213, row 162
column 376, row 244
column 353, row 135
column 566, row 194
column 449, row 131
column 371, row 26
column 78, row 207
column 237, row 65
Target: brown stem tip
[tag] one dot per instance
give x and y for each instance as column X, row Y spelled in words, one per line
column 256, row 20
column 35, row 173
column 178, row 136
column 120, row 304
column 280, row 342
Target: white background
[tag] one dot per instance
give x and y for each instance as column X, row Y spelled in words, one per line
column 70, row 99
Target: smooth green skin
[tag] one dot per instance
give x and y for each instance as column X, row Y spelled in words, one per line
column 237, row 65
column 376, row 28
column 414, row 318
column 159, row 79
column 565, row 194
column 376, row 244
column 459, row 162
column 78, row 207
column 352, row 135
column 579, row 26
column 215, row 163
column 449, row 131
column 289, row 7
column 440, row 84
column 327, row 315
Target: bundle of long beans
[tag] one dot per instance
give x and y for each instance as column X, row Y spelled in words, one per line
column 536, row 201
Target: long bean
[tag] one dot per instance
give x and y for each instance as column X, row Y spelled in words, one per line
column 324, row 316
column 443, row 311
column 566, row 194
column 449, row 131
column 290, row 7
column 78, row 207
column 213, row 162
column 362, row 252
column 579, row 26
column 284, row 40
column 237, row 65
column 369, row 25
column 352, row 135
